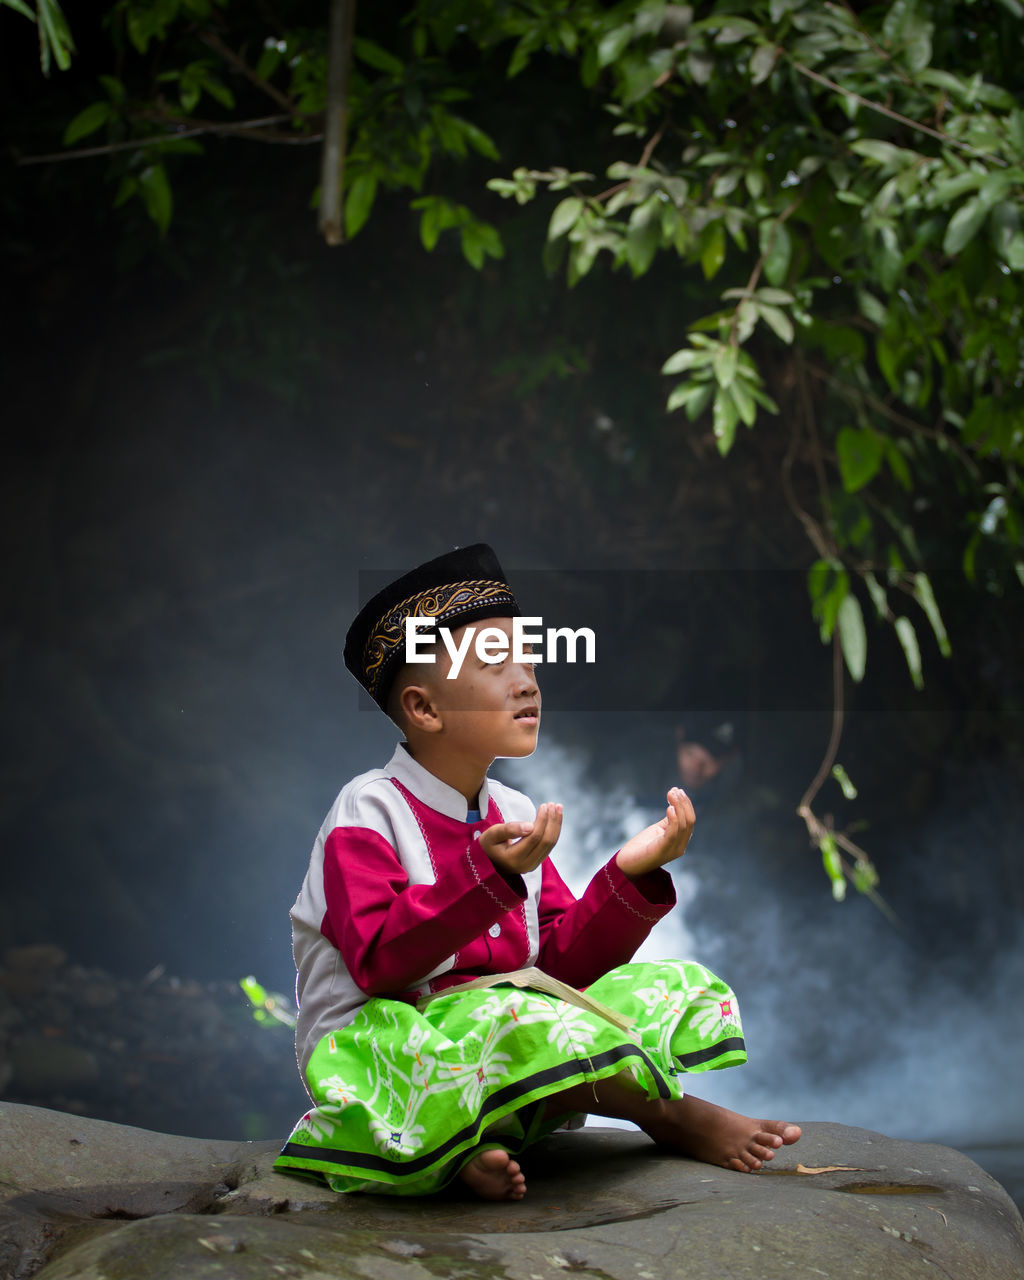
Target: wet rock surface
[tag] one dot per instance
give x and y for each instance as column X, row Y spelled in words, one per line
column 88, row 1200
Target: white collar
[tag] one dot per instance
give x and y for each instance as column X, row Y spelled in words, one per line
column 429, row 788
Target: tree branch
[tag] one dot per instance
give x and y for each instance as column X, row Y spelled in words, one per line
column 816, row 829
column 811, row 527
column 893, row 115
column 755, row 275
column 332, row 169
column 214, row 42
column 253, row 130
column 896, row 418
column 829, row 758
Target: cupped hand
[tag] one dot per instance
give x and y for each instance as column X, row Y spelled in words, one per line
column 661, row 842
column 518, row 847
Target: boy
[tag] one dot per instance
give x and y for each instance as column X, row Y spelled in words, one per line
column 427, row 874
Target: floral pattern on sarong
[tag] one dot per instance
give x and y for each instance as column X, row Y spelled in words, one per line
column 404, row 1097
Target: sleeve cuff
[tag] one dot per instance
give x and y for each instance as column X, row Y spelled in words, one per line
column 653, row 889
column 507, row 891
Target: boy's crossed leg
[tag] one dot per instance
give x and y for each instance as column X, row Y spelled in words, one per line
column 689, row 1126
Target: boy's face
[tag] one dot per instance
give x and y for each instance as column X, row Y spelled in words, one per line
column 488, row 709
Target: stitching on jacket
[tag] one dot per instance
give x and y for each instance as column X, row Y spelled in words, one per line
column 522, row 906
column 625, row 901
column 476, row 876
column 409, row 800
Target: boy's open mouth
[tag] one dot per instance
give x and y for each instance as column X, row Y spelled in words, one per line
column 526, row 713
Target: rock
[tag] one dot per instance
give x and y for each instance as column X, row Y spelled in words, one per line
column 89, row 1200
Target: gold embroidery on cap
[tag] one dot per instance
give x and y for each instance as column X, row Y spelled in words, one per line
column 443, row 603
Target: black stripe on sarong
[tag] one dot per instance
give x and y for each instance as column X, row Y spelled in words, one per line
column 498, row 1099
column 707, row 1055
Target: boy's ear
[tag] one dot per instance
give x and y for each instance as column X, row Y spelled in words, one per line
column 419, row 709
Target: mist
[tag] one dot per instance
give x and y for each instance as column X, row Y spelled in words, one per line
column 911, row 1030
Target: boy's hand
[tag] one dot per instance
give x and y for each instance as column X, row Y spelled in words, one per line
column 661, row 842
column 516, row 847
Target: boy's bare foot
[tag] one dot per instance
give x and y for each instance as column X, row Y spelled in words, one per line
column 494, row 1175
column 688, row 1125
column 711, row 1133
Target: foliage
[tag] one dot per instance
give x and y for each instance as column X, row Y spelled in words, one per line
column 845, row 185
column 55, row 42
column 862, row 182
column 855, row 180
column 268, row 1007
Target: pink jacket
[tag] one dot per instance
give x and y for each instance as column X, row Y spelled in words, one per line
column 399, row 901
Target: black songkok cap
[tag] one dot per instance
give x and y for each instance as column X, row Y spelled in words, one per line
column 459, row 587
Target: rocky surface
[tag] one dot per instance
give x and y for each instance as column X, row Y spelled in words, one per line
column 89, row 1200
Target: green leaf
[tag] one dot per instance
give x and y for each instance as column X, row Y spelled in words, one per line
column 970, row 556
column 860, row 455
column 877, row 593
column 777, row 247
column 724, row 419
column 698, row 403
column 256, row 993
column 126, row 189
column 566, row 214
column 686, row 358
column 479, row 240
column 917, row 47
column 114, row 87
column 93, row 117
column 482, row 143
column 744, row 401
column 54, row 36
column 762, row 63
column 642, row 240
column 852, row 636
column 712, row 249
column 269, row 61
column 871, row 309
column 680, row 395
column 472, row 246
column 724, row 364
column 925, row 597
column 685, row 393
column 521, row 54
column 964, row 225
column 898, row 465
column 156, row 195
column 828, row 590
column 883, row 153
column 818, row 578
column 19, row 6
column 865, row 877
column 911, row 650
column 218, row 90
column 843, row 778
column 374, row 56
column 779, row 323
column 359, row 202
column 833, row 865
column 612, row 45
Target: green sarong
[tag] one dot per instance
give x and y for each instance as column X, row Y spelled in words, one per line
column 404, row 1098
